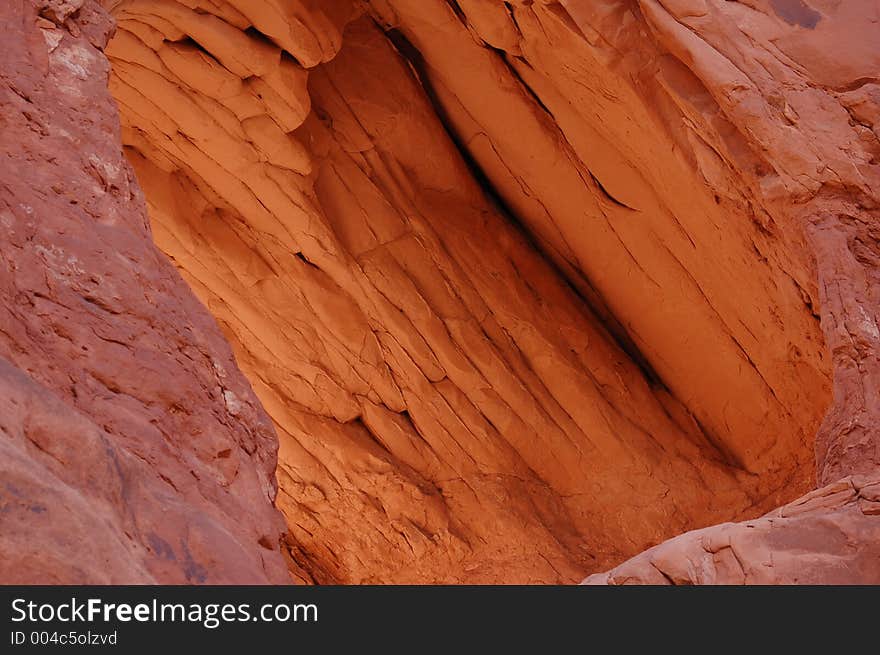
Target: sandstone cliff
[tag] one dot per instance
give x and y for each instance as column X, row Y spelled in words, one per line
column 525, row 287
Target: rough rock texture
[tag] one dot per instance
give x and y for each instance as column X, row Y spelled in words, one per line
column 527, row 286
column 829, row 536
column 807, row 101
column 449, row 408
column 132, row 450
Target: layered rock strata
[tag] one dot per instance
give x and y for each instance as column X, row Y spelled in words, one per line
column 524, row 286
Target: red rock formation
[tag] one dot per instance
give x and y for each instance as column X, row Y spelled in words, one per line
column 812, row 114
column 829, row 536
column 449, row 410
column 527, row 287
column 132, row 450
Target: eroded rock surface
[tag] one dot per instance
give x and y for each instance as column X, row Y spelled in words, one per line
column 803, row 92
column 132, row 450
column 829, row 536
column 526, row 287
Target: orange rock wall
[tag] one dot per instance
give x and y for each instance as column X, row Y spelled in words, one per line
column 525, row 286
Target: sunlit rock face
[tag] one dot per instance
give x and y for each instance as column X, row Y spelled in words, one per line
column 525, row 287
